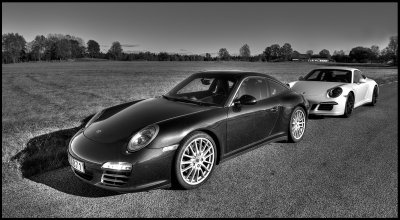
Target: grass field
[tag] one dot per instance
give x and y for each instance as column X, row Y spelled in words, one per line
column 43, row 104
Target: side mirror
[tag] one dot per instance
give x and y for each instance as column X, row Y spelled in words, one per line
column 301, row 78
column 362, row 80
column 245, row 100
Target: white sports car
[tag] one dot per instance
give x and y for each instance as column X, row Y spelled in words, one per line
column 336, row 90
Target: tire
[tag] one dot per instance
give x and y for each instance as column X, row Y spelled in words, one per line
column 348, row 108
column 374, row 97
column 192, row 172
column 297, row 125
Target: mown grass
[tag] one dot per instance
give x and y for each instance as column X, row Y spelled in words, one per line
column 44, row 103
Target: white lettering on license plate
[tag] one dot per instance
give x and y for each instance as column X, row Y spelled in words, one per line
column 76, row 164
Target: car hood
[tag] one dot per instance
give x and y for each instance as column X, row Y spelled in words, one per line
column 121, row 122
column 313, row 88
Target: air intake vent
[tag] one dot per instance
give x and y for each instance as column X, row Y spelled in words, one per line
column 325, row 107
column 115, row 178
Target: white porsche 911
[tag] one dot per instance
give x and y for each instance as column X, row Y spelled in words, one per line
column 336, row 90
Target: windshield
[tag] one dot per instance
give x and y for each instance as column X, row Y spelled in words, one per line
column 329, row 75
column 200, row 89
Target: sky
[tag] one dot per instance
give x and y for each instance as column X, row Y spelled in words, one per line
column 198, row 28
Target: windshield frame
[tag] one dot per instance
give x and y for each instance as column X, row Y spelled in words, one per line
column 231, row 77
column 305, row 78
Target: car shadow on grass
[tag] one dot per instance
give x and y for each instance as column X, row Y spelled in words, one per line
column 45, row 160
column 64, row 180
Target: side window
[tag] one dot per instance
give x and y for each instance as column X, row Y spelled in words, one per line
column 256, row 87
column 276, row 88
column 357, row 76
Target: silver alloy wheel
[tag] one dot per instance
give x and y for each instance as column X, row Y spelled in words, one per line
column 197, row 161
column 298, row 124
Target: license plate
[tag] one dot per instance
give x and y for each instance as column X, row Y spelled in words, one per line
column 76, row 164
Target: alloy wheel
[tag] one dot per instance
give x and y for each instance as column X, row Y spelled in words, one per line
column 298, row 124
column 197, row 161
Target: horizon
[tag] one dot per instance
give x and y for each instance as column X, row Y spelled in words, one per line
column 199, row 28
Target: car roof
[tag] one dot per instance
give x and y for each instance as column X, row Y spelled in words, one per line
column 235, row 73
column 337, row 68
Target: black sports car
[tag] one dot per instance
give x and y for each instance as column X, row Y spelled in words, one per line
column 181, row 136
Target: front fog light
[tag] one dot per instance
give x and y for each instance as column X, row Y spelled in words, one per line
column 125, row 166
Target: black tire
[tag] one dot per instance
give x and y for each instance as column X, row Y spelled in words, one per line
column 374, row 97
column 348, row 108
column 297, row 125
column 197, row 165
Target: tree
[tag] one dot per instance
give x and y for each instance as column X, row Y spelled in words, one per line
column 390, row 52
column 13, row 45
column 208, row 57
column 50, row 52
column 286, row 51
column 245, row 52
column 93, row 48
column 163, row 56
column 338, row 53
column 295, row 55
column 360, row 54
column 115, row 51
column 38, row 47
column 275, row 51
column 325, row 53
column 77, row 51
column 224, row 54
column 63, row 49
column 375, row 52
column 309, row 53
column 267, row 53
column 340, row 56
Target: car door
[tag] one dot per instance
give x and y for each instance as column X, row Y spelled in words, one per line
column 360, row 89
column 247, row 124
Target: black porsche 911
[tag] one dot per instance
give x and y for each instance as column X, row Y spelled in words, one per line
column 180, row 137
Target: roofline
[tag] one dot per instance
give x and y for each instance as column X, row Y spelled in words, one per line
column 338, row 67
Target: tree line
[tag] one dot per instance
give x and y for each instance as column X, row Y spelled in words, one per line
column 66, row 47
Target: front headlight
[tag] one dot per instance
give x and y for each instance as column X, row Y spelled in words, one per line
column 335, row 92
column 94, row 118
column 142, row 138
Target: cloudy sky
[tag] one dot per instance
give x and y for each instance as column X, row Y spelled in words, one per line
column 206, row 27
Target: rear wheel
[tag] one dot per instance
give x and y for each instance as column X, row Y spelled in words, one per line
column 348, row 108
column 374, row 97
column 195, row 160
column 297, row 125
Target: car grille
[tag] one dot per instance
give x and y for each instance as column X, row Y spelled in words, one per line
column 325, row 107
column 115, row 178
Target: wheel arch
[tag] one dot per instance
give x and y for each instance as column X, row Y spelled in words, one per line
column 304, row 108
column 352, row 92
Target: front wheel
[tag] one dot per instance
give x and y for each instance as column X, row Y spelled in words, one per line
column 348, row 108
column 374, row 99
column 195, row 160
column 297, row 125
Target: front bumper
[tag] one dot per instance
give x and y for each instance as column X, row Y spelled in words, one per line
column 151, row 168
column 326, row 106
